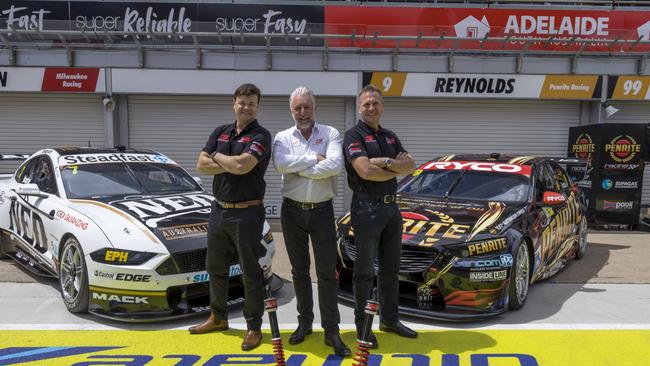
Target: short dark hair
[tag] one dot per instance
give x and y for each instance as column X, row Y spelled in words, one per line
column 248, row 89
column 370, row 89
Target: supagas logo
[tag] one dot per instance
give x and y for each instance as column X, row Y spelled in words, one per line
column 623, row 148
column 583, row 147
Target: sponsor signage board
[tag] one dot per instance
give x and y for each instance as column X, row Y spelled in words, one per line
column 613, row 180
column 579, row 87
column 52, row 79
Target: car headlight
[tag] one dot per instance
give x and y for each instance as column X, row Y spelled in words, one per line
column 478, row 248
column 120, row 256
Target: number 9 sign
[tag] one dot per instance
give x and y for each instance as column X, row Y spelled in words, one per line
column 390, row 83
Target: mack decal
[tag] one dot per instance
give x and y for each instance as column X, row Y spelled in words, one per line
column 121, row 299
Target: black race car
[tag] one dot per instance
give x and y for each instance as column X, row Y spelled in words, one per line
column 477, row 230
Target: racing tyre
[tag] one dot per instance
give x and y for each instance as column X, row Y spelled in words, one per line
column 73, row 277
column 582, row 239
column 519, row 277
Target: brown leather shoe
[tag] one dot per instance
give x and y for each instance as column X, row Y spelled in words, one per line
column 252, row 339
column 210, row 325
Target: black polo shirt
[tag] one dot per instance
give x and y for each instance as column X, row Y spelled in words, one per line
column 255, row 140
column 362, row 140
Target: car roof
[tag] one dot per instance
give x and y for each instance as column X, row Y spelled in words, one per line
column 494, row 157
column 76, row 150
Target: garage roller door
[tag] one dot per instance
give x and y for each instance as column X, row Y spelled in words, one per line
column 178, row 127
column 35, row 121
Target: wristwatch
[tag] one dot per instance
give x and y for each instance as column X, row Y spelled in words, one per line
column 388, row 163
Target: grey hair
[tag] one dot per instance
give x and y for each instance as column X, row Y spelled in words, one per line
column 303, row 90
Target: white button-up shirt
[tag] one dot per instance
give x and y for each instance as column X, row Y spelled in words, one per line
column 304, row 178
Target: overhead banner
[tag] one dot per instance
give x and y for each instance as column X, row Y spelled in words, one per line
column 475, row 24
column 144, row 22
column 578, row 87
column 52, row 79
column 629, row 87
column 613, row 180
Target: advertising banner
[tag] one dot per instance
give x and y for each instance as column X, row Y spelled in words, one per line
column 578, row 87
column 613, row 181
column 475, row 24
column 52, row 79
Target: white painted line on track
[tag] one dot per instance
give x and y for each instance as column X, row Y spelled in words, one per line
column 291, row 326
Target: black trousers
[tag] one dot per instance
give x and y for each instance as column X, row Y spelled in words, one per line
column 297, row 226
column 232, row 232
column 377, row 233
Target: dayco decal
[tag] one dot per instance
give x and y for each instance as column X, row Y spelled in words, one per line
column 121, row 299
column 487, row 246
column 474, row 85
column 488, row 276
column 623, row 148
column 583, row 147
column 475, row 165
column 112, row 158
column 162, row 206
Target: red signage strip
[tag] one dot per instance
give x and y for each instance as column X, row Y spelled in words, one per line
column 556, row 27
column 67, row 79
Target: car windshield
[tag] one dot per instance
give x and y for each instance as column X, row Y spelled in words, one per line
column 468, row 184
column 122, row 179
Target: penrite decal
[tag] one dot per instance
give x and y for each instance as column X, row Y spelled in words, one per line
column 623, row 148
column 583, row 147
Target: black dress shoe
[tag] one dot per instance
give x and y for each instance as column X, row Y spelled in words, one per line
column 334, row 340
column 398, row 328
column 299, row 335
column 371, row 339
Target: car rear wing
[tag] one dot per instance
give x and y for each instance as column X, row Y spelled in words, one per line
column 14, row 156
column 7, row 168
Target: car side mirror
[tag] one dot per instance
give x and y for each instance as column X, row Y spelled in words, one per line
column 29, row 189
column 551, row 198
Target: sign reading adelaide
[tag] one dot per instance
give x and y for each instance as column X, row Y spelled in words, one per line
column 149, row 19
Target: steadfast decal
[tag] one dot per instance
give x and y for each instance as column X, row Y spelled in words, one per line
column 113, row 158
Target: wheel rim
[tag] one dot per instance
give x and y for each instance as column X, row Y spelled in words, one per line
column 583, row 236
column 71, row 272
column 521, row 272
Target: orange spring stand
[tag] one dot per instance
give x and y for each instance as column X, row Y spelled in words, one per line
column 271, row 305
column 363, row 345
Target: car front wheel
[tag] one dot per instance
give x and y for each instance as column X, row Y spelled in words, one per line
column 73, row 277
column 519, row 277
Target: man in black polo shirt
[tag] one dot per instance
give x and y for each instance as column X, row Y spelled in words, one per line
column 374, row 157
column 238, row 155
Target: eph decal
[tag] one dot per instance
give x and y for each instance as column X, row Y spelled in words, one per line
column 623, row 148
column 583, row 147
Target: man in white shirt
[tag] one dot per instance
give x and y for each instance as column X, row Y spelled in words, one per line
column 309, row 156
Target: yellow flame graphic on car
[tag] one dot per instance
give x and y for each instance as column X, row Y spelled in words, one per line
column 488, row 218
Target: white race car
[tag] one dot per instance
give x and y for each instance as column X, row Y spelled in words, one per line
column 124, row 231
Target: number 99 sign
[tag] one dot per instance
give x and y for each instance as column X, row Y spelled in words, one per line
column 631, row 87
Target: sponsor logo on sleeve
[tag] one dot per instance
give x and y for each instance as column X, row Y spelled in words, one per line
column 257, row 147
column 224, row 137
column 354, row 148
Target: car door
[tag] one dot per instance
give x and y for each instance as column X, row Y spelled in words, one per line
column 33, row 218
column 545, row 181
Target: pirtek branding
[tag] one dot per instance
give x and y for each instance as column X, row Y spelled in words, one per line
column 583, row 147
column 475, row 85
column 487, row 246
column 623, row 148
column 121, row 299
